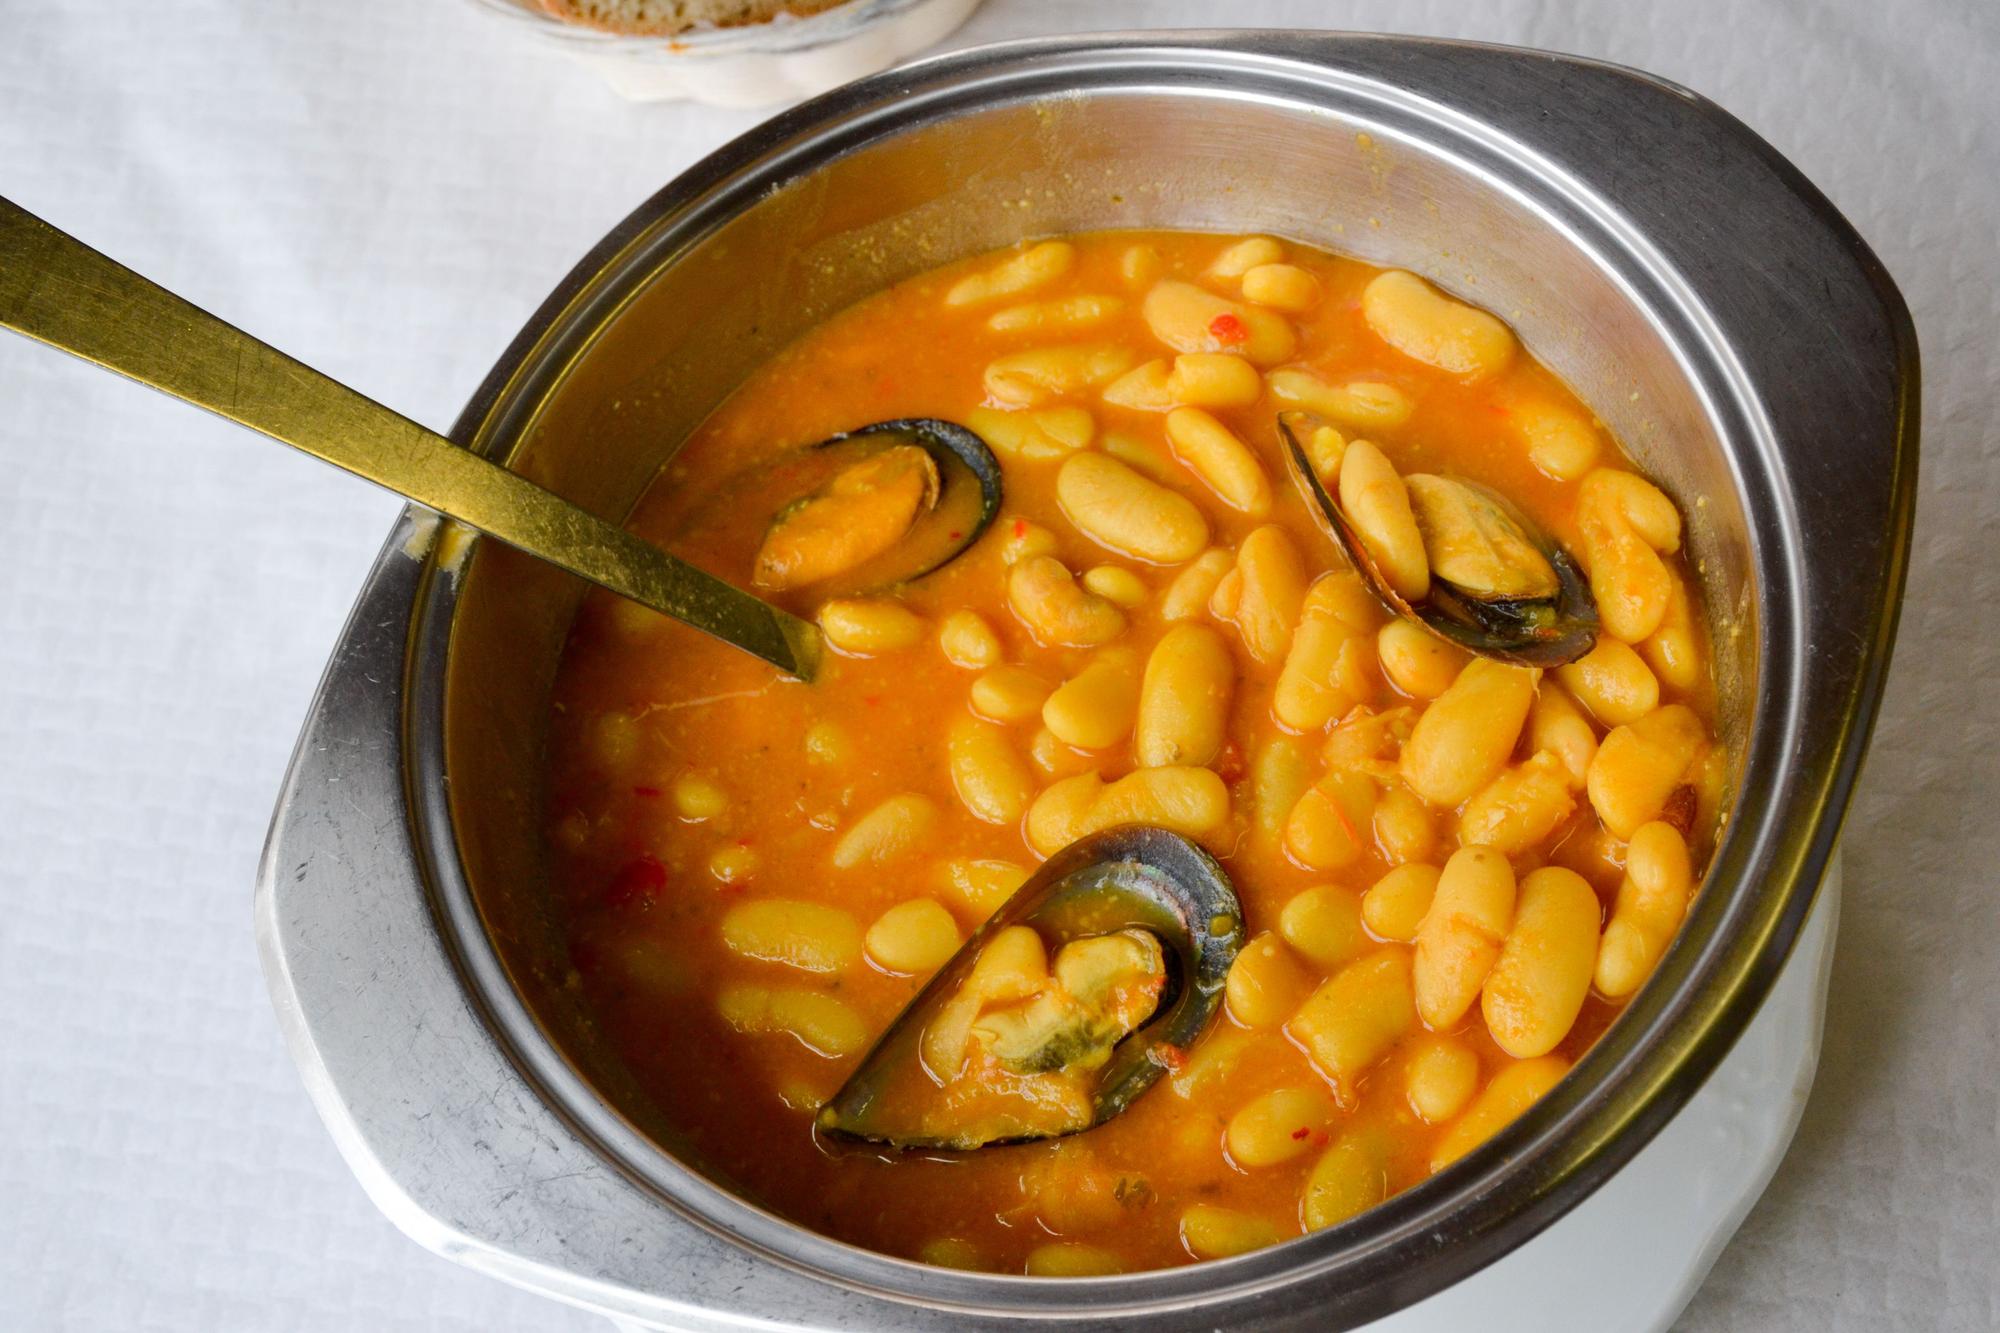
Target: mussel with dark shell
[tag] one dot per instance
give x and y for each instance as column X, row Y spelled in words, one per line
column 876, row 506
column 1492, row 581
column 1085, row 986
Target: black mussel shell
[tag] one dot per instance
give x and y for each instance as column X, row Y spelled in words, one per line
column 1525, row 631
column 1135, row 876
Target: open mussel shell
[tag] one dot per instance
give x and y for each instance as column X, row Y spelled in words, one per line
column 1132, row 877
column 1542, row 631
column 967, row 499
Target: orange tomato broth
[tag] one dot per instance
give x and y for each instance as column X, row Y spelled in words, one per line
column 641, row 701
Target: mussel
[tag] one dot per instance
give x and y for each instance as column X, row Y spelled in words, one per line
column 1496, row 584
column 1086, row 985
column 877, row 506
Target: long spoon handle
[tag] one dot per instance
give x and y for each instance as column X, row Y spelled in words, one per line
column 56, row 289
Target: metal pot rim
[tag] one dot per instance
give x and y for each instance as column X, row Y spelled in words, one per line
column 1826, row 622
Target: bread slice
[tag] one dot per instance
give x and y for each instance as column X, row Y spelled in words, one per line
column 666, row 18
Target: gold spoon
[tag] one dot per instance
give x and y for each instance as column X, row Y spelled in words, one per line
column 58, row 290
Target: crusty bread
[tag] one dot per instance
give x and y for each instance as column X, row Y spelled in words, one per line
column 665, row 18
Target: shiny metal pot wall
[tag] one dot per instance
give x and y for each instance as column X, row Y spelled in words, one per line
column 1689, row 284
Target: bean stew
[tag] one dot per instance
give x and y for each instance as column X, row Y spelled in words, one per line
column 1453, row 870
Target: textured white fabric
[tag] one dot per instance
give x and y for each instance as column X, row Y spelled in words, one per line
column 385, row 189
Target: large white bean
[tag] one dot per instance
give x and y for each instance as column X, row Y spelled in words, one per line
column 1416, row 661
column 823, row 1024
column 1324, row 925
column 1009, row 694
column 1613, row 682
column 1557, row 725
column 1420, row 322
column 869, row 626
column 1026, row 379
column 1355, row 1016
column 1190, row 592
column 1674, row 650
column 1510, row 1092
column 1213, row 379
column 1561, row 444
column 1146, row 387
column 1327, row 669
column 1278, row 1126
column 1639, row 765
column 912, row 937
column 1358, row 404
column 1093, row 709
column 1463, row 740
column 1037, row 266
column 1263, row 593
column 1184, row 698
column 1350, row 1177
column 895, row 826
column 1284, row 287
column 1652, row 899
column 1223, row 462
column 1242, row 256
column 1063, row 315
column 1125, row 512
column 1188, row 318
column 812, row 937
column 1627, row 524
column 1056, row 609
column 1279, row 774
column 1520, row 808
column 1376, row 500
column 987, row 773
column 1460, row 939
column 1265, row 984
column 1329, row 826
column 1190, row 801
column 1033, row 435
column 1537, row 986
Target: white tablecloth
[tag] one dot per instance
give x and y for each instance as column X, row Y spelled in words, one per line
column 386, row 189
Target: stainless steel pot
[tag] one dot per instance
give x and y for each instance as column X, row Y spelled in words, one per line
column 1699, row 293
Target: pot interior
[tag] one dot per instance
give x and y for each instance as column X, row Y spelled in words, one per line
column 687, row 304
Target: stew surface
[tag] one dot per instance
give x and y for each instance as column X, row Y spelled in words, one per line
column 1453, row 872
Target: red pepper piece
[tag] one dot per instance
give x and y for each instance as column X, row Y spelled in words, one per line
column 1228, row 330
